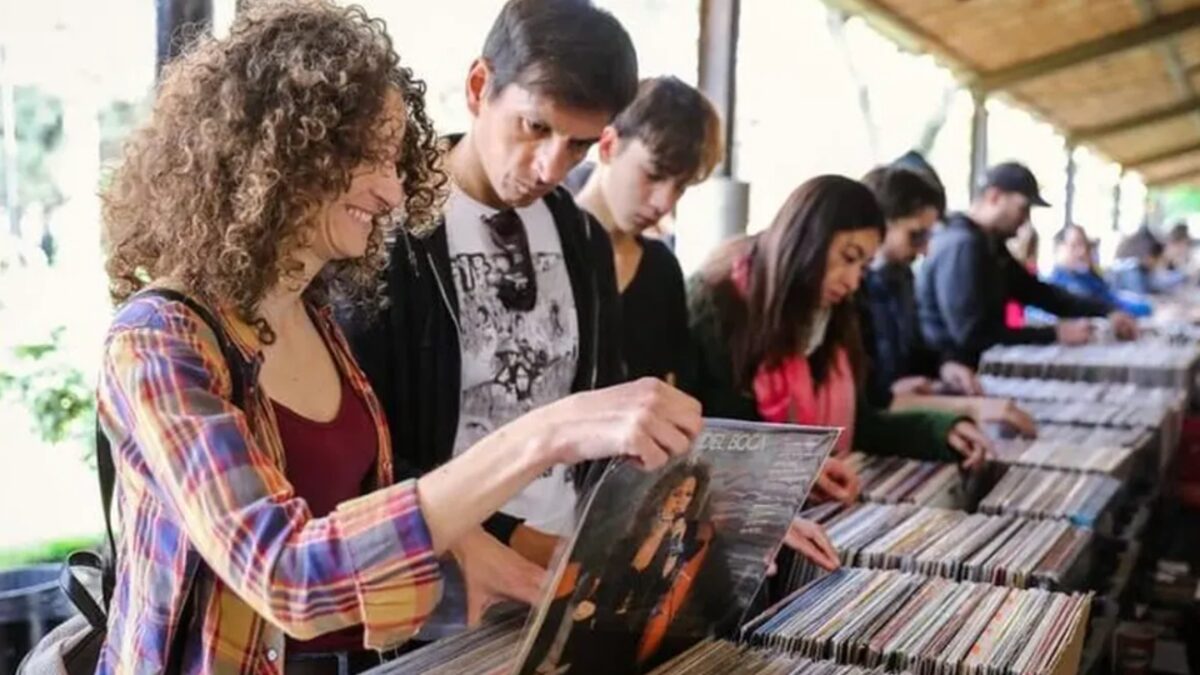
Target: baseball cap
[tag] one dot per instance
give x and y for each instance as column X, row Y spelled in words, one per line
column 1015, row 177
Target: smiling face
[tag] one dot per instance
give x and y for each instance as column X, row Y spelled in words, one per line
column 526, row 142
column 849, row 253
column 344, row 225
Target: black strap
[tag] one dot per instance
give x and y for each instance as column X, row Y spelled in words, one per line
column 77, row 592
column 104, row 454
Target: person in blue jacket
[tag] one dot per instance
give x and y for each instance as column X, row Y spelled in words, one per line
column 1075, row 272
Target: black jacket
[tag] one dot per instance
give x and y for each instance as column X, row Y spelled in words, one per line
column 891, row 331
column 410, row 350
column 963, row 286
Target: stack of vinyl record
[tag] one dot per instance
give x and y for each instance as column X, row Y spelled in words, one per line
column 1004, row 550
column 1030, row 389
column 1152, row 362
column 486, row 650
column 904, row 621
column 1091, row 413
column 719, row 657
column 896, row 480
column 1074, row 448
column 1044, row 493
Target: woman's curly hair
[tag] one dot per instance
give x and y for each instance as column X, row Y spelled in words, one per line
column 249, row 137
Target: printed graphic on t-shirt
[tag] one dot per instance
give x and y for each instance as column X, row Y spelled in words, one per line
column 514, row 361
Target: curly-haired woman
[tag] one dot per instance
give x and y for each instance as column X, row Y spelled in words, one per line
column 260, row 190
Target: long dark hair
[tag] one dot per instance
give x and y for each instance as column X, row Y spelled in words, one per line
column 647, row 513
column 787, row 261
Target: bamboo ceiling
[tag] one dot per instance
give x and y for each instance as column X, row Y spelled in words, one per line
column 1120, row 76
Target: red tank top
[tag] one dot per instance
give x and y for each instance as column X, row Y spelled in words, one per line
column 329, row 463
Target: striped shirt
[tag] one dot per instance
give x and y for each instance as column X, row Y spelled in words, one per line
column 201, row 486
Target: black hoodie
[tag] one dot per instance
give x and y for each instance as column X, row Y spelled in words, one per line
column 410, row 350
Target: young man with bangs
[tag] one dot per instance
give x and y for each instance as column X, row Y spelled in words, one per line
column 667, row 140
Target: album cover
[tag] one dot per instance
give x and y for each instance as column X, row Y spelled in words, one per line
column 663, row 559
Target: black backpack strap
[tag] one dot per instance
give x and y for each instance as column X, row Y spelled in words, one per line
column 77, row 592
column 105, row 465
column 108, row 480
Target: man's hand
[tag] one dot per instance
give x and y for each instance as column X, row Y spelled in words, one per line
column 837, row 481
column 493, row 572
column 912, row 385
column 1124, row 326
column 809, row 540
column 648, row 420
column 970, row 442
column 1074, row 331
column 961, row 377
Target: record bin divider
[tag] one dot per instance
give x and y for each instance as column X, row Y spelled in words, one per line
column 1105, row 623
column 1102, row 627
column 1068, row 661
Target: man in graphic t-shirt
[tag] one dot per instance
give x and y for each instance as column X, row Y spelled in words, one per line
column 512, row 304
column 519, row 339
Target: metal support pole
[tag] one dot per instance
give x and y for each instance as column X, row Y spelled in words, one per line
column 1116, row 203
column 719, row 23
column 1069, row 202
column 719, row 208
column 979, row 143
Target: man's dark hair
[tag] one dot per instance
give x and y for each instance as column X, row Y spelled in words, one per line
column 915, row 161
column 568, row 50
column 1180, row 233
column 678, row 125
column 903, row 193
column 1141, row 244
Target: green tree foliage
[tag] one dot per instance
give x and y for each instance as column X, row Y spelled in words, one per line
column 39, row 377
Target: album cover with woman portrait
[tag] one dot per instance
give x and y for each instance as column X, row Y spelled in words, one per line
column 662, row 559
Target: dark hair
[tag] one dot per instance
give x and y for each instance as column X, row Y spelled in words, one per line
column 679, row 126
column 568, row 50
column 1141, row 244
column 915, row 161
column 656, row 496
column 1179, row 233
column 902, row 192
column 787, row 261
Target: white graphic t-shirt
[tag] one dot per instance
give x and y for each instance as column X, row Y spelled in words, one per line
column 513, row 360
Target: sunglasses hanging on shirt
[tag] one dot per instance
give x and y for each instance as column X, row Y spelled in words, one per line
column 517, row 287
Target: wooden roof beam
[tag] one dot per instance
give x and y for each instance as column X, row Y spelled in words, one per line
column 1089, row 134
column 1144, row 35
column 1146, row 160
column 904, row 33
column 1174, row 178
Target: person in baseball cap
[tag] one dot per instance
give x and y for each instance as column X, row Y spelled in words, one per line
column 969, row 275
column 1015, row 178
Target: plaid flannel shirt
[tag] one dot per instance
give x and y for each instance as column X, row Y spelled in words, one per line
column 201, row 486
